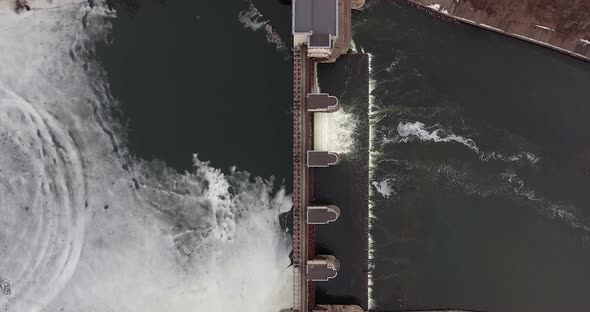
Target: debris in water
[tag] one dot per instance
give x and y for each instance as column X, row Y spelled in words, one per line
column 5, row 286
column 22, row 5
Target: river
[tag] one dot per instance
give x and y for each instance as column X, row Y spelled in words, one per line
column 146, row 162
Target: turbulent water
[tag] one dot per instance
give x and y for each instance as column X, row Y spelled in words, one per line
column 480, row 167
column 334, row 132
column 254, row 20
column 87, row 227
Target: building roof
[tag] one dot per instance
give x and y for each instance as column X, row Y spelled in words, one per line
column 317, row 17
column 319, row 40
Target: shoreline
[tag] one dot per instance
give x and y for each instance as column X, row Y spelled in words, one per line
column 435, row 7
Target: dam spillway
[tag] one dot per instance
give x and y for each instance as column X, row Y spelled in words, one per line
column 321, row 34
column 311, row 47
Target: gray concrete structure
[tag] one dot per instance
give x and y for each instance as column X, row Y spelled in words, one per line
column 316, row 20
column 337, row 308
column 322, row 214
column 322, row 102
column 322, row 268
column 319, row 40
column 322, row 159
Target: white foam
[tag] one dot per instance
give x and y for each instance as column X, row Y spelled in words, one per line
column 371, row 216
column 385, row 187
column 565, row 212
column 76, row 234
column 411, row 131
column 316, row 79
column 334, row 131
column 393, row 65
column 353, row 48
column 585, row 42
column 530, row 157
column 253, row 19
column 408, row 132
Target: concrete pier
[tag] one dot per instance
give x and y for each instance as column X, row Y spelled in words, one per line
column 322, row 102
column 322, row 159
column 322, row 268
column 322, row 214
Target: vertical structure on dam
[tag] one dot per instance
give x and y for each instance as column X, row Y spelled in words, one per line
column 321, row 33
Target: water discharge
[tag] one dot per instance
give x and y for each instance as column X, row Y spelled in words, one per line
column 87, row 227
column 334, row 132
column 371, row 205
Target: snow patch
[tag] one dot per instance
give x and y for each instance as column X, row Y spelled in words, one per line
column 544, row 27
column 434, row 6
column 489, row 27
column 439, row 8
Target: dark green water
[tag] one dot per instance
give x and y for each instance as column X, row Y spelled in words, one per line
column 346, row 186
column 192, row 79
column 489, row 205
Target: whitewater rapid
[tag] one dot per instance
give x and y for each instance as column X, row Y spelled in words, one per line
column 87, row 227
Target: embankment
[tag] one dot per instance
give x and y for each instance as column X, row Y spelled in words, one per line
column 563, row 25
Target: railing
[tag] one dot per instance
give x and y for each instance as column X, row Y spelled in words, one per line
column 297, row 69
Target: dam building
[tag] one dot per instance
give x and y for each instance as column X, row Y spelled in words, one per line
column 323, row 26
column 321, row 33
column 315, row 23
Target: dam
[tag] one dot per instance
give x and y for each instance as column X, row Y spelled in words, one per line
column 321, row 34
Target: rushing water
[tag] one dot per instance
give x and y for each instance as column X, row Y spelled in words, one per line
column 89, row 224
column 481, row 167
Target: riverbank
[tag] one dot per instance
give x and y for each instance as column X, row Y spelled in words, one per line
column 560, row 25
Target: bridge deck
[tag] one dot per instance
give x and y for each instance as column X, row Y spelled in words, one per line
column 303, row 234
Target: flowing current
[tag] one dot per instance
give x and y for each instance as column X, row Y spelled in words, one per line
column 87, row 227
column 479, row 167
